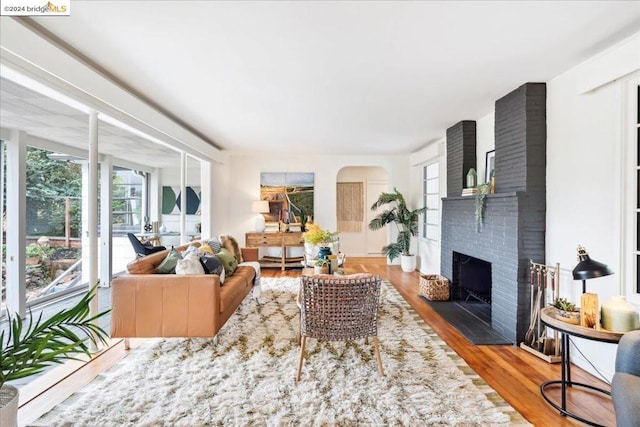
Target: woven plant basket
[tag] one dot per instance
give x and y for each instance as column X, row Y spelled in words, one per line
column 434, row 287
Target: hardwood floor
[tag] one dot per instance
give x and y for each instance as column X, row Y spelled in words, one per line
column 515, row 374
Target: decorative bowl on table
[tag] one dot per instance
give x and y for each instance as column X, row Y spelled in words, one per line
column 572, row 317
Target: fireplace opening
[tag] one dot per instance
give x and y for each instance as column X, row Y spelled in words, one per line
column 471, row 279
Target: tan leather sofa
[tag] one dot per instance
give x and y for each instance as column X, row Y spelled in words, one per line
column 145, row 304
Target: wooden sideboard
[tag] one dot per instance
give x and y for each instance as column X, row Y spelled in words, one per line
column 291, row 239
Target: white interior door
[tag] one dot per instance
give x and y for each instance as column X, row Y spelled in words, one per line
column 375, row 239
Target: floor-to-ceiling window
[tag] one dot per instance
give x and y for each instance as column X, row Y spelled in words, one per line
column 53, row 222
column 48, row 134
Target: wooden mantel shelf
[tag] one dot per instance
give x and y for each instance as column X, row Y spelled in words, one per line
column 473, row 197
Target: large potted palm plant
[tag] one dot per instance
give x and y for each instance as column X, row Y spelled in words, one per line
column 25, row 352
column 407, row 222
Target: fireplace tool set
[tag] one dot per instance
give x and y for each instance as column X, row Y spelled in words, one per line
column 545, row 288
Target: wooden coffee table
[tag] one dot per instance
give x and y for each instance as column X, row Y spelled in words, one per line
column 308, row 271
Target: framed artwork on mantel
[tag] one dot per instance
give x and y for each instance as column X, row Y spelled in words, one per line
column 489, row 165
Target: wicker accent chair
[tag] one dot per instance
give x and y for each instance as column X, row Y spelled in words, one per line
column 339, row 308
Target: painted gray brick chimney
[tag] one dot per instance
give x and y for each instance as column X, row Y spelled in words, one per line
column 513, row 231
column 461, row 155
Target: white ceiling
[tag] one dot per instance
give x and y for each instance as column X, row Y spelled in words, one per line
column 336, row 77
column 25, row 109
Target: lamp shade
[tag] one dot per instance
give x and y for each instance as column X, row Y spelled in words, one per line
column 588, row 268
column 260, row 206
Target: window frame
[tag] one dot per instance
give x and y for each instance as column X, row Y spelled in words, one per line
column 142, row 199
column 630, row 195
column 425, row 194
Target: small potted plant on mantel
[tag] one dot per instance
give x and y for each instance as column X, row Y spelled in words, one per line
column 26, row 352
column 407, row 222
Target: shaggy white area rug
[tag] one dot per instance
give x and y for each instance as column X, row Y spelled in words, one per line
column 248, row 378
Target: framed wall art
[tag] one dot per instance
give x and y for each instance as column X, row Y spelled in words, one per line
column 489, row 165
column 290, row 195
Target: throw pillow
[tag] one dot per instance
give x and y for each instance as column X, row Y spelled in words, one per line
column 168, row 266
column 205, row 249
column 211, row 264
column 231, row 244
column 215, row 245
column 190, row 249
column 189, row 265
column 229, row 262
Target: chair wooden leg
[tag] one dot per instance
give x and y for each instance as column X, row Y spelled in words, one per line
column 376, row 346
column 366, row 340
column 303, row 341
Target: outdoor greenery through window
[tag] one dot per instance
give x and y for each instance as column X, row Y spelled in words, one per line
column 431, row 196
column 53, row 222
column 54, row 218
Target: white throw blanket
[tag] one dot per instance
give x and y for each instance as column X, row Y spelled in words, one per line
column 257, row 289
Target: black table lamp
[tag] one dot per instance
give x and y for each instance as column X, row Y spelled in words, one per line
column 588, row 268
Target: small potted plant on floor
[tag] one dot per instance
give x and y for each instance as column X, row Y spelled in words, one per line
column 406, row 221
column 28, row 351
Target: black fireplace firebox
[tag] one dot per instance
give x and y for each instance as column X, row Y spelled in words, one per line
column 471, row 278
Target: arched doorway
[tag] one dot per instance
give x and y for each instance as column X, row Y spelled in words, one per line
column 374, row 180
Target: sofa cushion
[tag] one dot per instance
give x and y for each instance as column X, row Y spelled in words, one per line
column 211, row 264
column 236, row 288
column 190, row 264
column 214, row 244
column 247, row 274
column 168, row 266
column 205, row 249
column 190, row 249
column 231, row 244
column 229, row 262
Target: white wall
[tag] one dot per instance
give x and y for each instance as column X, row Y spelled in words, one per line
column 244, row 182
column 485, row 141
column 584, row 141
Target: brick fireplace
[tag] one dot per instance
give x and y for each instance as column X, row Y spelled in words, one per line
column 513, row 230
